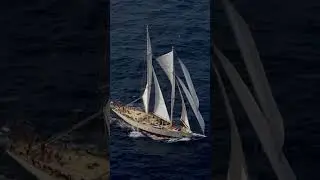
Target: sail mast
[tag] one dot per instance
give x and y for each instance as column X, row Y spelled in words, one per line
column 146, row 93
column 173, row 87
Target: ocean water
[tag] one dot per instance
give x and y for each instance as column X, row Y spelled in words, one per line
column 52, row 65
column 287, row 36
column 184, row 25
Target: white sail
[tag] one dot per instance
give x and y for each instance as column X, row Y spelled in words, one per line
column 237, row 165
column 192, row 104
column 166, row 63
column 146, row 97
column 189, row 83
column 256, row 72
column 184, row 114
column 146, row 93
column 160, row 108
column 258, row 120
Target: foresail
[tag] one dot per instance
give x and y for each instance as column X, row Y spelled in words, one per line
column 256, row 72
column 146, row 97
column 277, row 159
column 184, row 114
column 192, row 104
column 166, row 63
column 146, row 93
column 160, row 108
column 189, row 83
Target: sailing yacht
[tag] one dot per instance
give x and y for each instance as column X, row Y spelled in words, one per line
column 158, row 121
column 52, row 160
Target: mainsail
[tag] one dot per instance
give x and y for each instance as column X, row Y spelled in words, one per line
column 256, row 71
column 160, row 108
column 237, row 169
column 146, row 93
column 166, row 63
column 192, row 104
column 259, row 121
column 189, row 83
column 184, row 114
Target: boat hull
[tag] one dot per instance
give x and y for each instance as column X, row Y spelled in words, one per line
column 75, row 164
column 148, row 128
column 33, row 170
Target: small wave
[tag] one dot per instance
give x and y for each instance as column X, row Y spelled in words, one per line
column 112, row 120
column 173, row 140
column 198, row 135
column 136, row 134
column 167, row 140
column 154, row 137
column 119, row 123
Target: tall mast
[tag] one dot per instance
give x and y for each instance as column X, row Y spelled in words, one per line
column 173, row 86
column 146, row 93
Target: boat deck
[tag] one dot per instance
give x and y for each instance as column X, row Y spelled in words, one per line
column 141, row 117
column 65, row 164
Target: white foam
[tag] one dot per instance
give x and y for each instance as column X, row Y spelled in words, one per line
column 173, row 140
column 136, row 134
column 198, row 135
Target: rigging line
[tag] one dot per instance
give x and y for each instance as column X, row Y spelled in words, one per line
column 60, row 135
column 133, row 101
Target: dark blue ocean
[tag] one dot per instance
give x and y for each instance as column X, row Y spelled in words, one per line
column 184, row 25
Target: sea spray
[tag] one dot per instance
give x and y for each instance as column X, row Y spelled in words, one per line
column 135, row 134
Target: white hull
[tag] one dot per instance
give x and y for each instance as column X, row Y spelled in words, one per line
column 150, row 129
